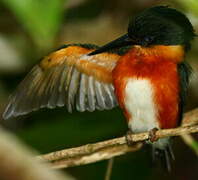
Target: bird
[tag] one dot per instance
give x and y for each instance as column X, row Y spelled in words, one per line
column 144, row 72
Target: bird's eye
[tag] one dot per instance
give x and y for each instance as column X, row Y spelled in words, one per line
column 148, row 40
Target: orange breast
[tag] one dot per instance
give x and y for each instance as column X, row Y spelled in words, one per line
column 163, row 75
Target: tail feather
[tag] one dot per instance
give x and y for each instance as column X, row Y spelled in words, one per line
column 165, row 155
column 170, row 150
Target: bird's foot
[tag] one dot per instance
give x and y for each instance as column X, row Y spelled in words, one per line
column 152, row 135
column 129, row 139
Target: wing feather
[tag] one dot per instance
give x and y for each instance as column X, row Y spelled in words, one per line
column 185, row 71
column 81, row 99
column 60, row 88
column 73, row 87
column 108, row 97
column 67, row 77
column 99, row 96
column 91, row 95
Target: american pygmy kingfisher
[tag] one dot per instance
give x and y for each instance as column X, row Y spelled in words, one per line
column 142, row 71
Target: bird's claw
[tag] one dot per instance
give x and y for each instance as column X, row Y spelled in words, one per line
column 152, row 135
column 129, row 139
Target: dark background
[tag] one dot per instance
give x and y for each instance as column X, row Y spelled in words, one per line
column 30, row 29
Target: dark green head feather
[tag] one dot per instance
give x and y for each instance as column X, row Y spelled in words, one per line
column 161, row 25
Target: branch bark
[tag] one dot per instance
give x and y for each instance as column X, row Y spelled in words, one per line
column 17, row 162
column 115, row 147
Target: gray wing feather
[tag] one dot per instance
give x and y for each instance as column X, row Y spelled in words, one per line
column 59, row 86
column 91, row 95
column 81, row 98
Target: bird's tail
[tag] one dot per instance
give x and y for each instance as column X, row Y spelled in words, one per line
column 162, row 151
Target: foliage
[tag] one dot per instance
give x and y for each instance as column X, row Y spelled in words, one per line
column 41, row 18
column 85, row 21
column 190, row 5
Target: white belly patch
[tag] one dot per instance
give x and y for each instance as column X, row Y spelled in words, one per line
column 139, row 103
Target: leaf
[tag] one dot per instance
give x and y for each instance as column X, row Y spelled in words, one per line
column 40, row 18
column 190, row 5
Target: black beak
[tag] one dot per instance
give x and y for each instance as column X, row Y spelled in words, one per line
column 124, row 40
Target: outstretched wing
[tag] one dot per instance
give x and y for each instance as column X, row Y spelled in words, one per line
column 67, row 77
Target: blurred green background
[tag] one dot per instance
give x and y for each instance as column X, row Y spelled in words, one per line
column 29, row 29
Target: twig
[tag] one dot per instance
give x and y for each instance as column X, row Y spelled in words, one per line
column 17, row 162
column 109, row 169
column 191, row 142
column 107, row 149
column 86, row 156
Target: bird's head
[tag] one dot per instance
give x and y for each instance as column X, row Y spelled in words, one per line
column 159, row 25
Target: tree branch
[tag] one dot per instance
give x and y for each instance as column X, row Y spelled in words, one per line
column 107, row 149
column 17, row 162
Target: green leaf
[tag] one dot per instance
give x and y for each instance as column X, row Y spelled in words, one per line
column 190, row 5
column 40, row 18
